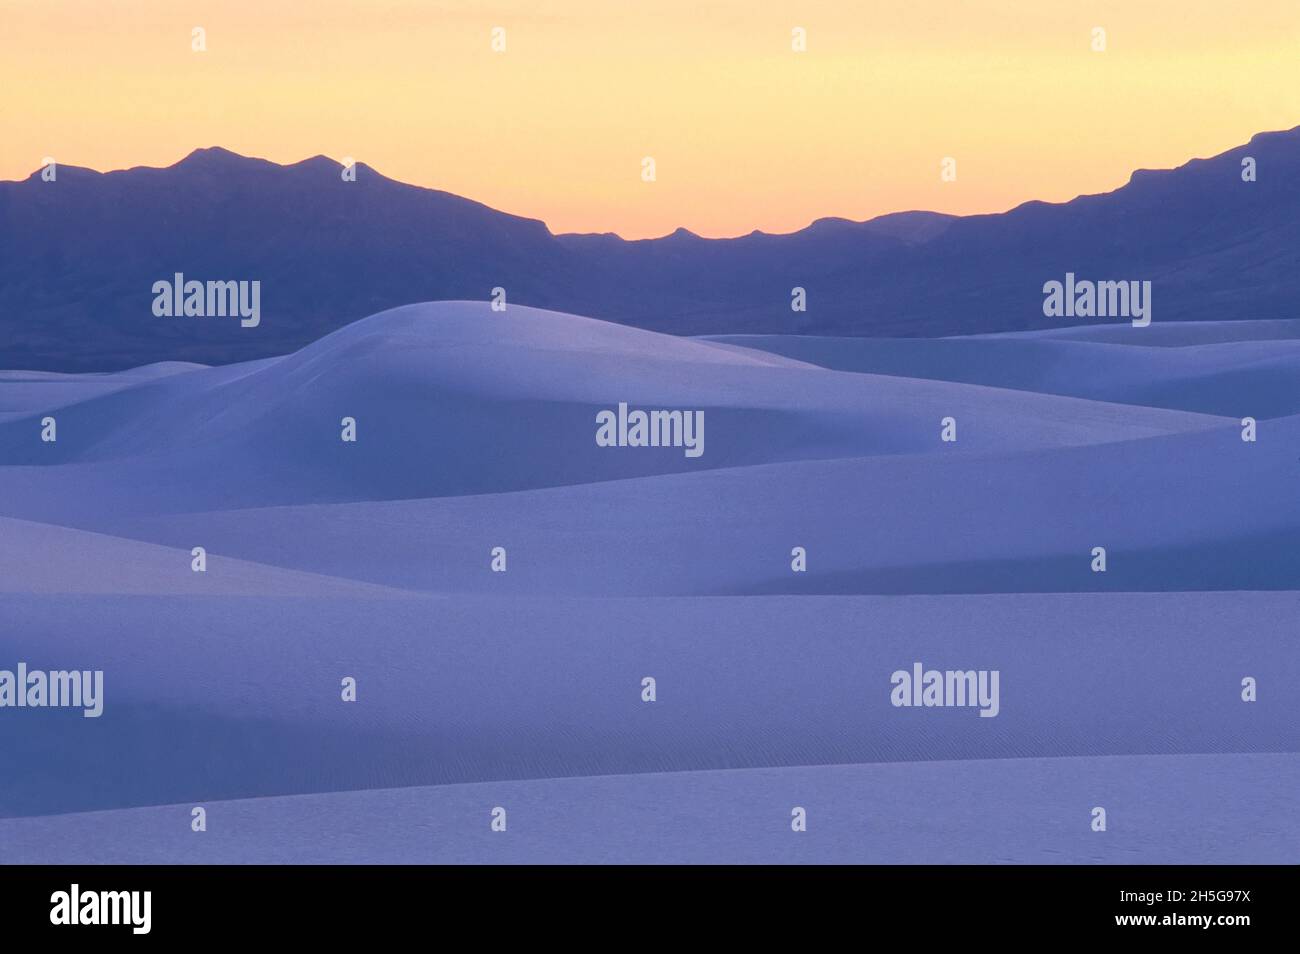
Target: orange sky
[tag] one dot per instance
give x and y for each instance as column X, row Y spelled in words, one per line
column 745, row 132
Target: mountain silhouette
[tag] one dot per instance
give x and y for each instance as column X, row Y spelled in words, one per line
column 79, row 256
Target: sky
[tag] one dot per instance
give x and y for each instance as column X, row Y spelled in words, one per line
column 745, row 132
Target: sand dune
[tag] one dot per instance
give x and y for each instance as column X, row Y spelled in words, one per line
column 452, row 398
column 237, row 696
column 1201, row 809
column 1195, row 511
column 476, row 430
column 38, row 558
column 1222, row 370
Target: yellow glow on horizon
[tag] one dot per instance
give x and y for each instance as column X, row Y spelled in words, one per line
column 746, row 134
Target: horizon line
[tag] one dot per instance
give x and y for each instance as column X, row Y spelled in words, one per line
column 680, row 230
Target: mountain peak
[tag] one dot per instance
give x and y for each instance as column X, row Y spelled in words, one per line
column 213, row 157
column 319, row 162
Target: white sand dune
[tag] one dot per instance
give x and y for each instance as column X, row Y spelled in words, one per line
column 1194, row 809
column 236, row 696
column 1201, row 510
column 38, row 558
column 477, row 430
column 451, row 398
column 1223, row 371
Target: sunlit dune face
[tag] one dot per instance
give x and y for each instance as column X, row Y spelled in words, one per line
column 745, row 131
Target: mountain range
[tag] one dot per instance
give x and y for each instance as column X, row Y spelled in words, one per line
column 79, row 256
